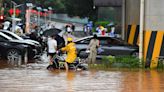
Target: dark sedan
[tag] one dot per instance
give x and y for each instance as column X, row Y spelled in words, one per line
column 35, row 46
column 11, row 50
column 33, row 49
column 108, row 46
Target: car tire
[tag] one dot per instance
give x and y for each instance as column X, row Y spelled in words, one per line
column 135, row 54
column 13, row 57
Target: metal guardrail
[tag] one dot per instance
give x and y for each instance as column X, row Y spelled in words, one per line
column 65, row 17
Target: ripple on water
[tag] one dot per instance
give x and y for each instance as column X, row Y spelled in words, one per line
column 34, row 77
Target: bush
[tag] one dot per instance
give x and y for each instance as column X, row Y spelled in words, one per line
column 102, row 23
column 121, row 62
column 160, row 64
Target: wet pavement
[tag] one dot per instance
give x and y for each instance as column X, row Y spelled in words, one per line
column 35, row 78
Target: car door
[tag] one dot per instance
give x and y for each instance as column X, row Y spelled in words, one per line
column 117, row 47
column 105, row 46
column 3, row 45
column 81, row 46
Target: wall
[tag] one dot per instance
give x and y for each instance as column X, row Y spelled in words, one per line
column 132, row 13
column 154, row 15
column 154, row 31
column 110, row 14
column 153, row 28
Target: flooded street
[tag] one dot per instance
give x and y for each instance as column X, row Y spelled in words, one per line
column 35, row 78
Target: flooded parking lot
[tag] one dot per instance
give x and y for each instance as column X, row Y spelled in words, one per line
column 35, row 78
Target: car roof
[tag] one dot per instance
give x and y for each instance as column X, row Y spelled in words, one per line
column 13, row 34
column 102, row 36
column 99, row 36
column 79, row 39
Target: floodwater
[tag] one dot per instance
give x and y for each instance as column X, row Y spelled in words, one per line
column 35, row 78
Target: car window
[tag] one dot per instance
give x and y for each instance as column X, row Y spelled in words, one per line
column 116, row 42
column 13, row 35
column 84, row 41
column 109, row 41
column 2, row 38
column 10, row 35
column 104, row 41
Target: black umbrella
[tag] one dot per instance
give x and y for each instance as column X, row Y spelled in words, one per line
column 60, row 41
column 53, row 31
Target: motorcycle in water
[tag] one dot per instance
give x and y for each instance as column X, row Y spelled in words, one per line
column 58, row 63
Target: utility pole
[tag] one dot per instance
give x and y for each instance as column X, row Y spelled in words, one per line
column 13, row 16
column 123, row 19
column 28, row 15
column 50, row 9
column 45, row 10
column 142, row 3
column 39, row 9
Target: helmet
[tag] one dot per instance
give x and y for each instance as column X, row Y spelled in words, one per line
column 101, row 27
column 69, row 39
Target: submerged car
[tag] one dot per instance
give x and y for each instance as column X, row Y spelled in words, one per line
column 33, row 49
column 108, row 46
column 11, row 50
column 15, row 36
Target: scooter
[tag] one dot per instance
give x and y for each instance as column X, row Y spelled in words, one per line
column 58, row 63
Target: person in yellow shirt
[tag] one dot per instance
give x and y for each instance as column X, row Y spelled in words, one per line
column 70, row 49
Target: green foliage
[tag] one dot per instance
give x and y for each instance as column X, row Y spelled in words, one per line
column 102, row 23
column 81, row 8
column 121, row 62
column 160, row 64
column 57, row 5
column 106, row 60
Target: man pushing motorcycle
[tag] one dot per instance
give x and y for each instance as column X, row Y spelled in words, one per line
column 70, row 49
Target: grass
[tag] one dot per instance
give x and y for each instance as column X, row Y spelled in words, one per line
column 123, row 63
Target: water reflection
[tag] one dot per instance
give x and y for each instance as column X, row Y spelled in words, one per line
column 35, row 78
column 155, row 81
column 143, row 81
column 70, row 80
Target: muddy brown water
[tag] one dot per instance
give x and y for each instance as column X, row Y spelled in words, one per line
column 35, row 78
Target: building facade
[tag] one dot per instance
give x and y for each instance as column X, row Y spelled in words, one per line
column 153, row 37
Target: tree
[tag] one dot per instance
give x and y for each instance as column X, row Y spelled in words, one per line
column 81, row 8
column 57, row 5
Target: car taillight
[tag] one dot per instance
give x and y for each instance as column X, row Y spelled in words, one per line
column 1, row 18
